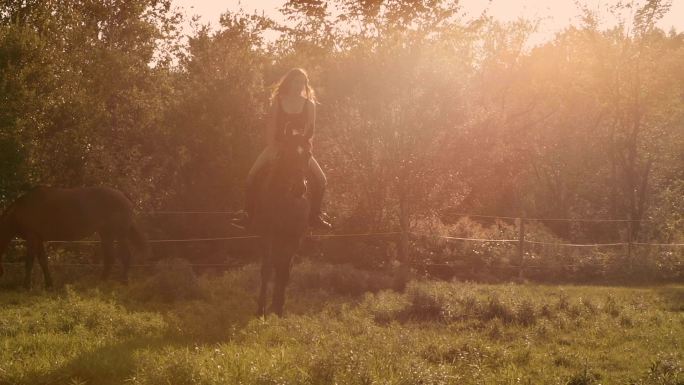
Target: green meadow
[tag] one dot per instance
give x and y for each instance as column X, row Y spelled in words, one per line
column 342, row 326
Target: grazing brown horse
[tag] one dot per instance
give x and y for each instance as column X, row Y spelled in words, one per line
column 281, row 217
column 55, row 214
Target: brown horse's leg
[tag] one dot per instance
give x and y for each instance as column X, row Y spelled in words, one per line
column 125, row 255
column 107, row 254
column 266, row 270
column 30, row 256
column 43, row 261
column 282, row 259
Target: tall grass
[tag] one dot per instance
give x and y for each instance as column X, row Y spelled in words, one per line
column 342, row 326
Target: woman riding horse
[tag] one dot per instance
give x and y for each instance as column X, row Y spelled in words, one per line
column 293, row 111
column 285, row 186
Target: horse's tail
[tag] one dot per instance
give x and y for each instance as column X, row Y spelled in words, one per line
column 139, row 241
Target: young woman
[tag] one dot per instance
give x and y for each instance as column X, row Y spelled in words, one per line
column 293, row 105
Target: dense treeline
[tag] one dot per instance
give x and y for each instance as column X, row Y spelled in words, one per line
column 423, row 112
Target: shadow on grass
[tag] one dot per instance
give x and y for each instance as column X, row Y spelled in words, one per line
column 673, row 296
column 205, row 321
column 109, row 364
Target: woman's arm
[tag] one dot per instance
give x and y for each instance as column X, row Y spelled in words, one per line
column 311, row 120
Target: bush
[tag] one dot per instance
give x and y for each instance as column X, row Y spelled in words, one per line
column 497, row 309
column 525, row 313
column 426, row 304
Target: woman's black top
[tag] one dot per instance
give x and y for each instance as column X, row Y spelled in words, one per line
column 290, row 124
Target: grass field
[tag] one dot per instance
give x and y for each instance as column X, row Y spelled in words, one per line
column 341, row 327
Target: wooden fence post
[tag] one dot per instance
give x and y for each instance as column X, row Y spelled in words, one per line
column 403, row 273
column 521, row 246
column 629, row 244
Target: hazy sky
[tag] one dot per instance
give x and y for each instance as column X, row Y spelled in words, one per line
column 555, row 13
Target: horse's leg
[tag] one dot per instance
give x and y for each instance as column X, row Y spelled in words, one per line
column 284, row 250
column 124, row 251
column 30, row 256
column 266, row 270
column 107, row 242
column 43, row 261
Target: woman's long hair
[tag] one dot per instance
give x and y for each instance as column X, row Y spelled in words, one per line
column 284, row 83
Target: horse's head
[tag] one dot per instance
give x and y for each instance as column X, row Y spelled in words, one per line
column 292, row 164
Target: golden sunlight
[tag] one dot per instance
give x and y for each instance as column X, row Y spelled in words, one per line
column 553, row 16
column 341, row 191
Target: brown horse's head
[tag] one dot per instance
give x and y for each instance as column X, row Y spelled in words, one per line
column 292, row 165
column 282, row 207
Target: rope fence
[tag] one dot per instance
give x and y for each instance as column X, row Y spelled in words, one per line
column 356, row 235
column 477, row 239
column 200, row 212
column 549, row 219
column 314, row 236
column 96, row 265
column 659, row 244
column 520, row 241
column 516, row 267
column 374, row 234
column 188, row 212
column 363, row 235
column 577, row 244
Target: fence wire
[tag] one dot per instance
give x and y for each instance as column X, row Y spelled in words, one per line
column 376, row 234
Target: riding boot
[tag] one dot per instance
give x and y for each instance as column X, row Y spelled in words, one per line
column 317, row 219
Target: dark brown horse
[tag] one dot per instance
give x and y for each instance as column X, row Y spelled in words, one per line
column 55, row 214
column 282, row 217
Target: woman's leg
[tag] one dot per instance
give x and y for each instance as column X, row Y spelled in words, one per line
column 261, row 162
column 317, row 172
column 317, row 182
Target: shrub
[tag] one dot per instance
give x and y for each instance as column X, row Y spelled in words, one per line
column 497, row 309
column 425, row 304
column 525, row 313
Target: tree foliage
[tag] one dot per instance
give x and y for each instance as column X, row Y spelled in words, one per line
column 424, row 111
